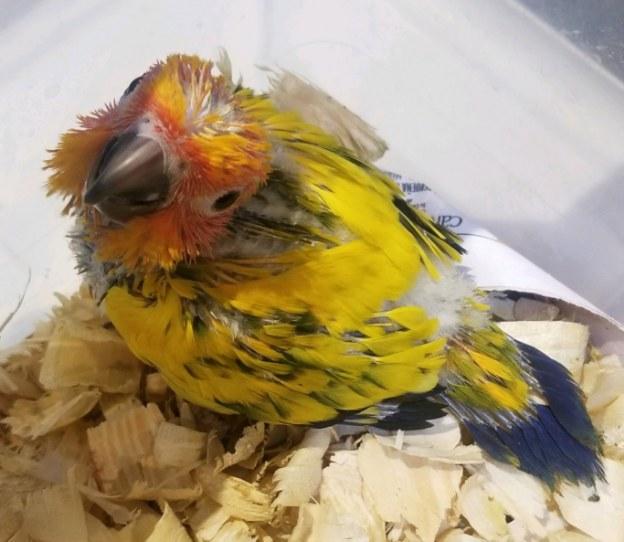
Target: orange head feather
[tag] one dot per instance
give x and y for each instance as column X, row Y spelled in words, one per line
column 213, row 153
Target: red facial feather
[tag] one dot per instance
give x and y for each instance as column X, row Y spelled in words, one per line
column 214, row 143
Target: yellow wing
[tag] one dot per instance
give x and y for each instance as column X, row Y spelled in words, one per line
column 269, row 351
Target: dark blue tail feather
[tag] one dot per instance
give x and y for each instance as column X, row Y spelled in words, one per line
column 563, row 395
column 558, row 441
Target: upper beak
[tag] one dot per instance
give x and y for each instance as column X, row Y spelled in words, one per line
column 129, row 178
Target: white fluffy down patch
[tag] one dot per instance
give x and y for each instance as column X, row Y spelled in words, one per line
column 446, row 299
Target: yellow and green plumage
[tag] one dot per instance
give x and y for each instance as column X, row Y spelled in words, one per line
column 270, row 368
column 315, row 298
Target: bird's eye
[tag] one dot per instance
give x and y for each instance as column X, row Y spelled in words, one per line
column 226, row 200
column 135, row 82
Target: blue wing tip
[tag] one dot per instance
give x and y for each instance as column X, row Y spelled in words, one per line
column 542, row 447
column 559, row 441
column 564, row 397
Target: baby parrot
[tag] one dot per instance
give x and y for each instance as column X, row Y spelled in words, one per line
column 244, row 245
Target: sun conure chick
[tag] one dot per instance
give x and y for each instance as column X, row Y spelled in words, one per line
column 243, row 243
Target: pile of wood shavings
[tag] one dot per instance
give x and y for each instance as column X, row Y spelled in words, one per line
column 95, row 447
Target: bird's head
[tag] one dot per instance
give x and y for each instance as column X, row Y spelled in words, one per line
column 156, row 177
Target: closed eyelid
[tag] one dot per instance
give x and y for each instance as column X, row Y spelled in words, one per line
column 226, row 200
column 217, row 203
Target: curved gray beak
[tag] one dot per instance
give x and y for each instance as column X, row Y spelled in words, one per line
column 129, row 178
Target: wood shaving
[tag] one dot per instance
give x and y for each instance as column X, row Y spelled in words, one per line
column 55, row 514
column 599, row 511
column 169, row 529
column 54, row 410
column 298, row 481
column 484, row 513
column 94, row 446
column 245, row 447
column 346, row 505
column 564, row 341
